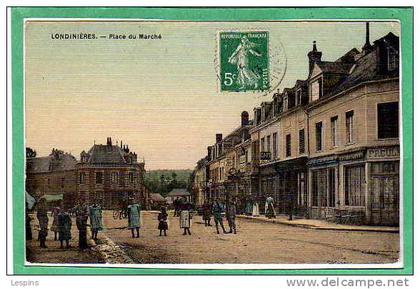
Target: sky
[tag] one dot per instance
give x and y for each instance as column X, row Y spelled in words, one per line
column 161, row 97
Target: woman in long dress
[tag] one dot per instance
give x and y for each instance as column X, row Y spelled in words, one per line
column 269, row 208
column 185, row 218
column 134, row 219
column 163, row 221
column 95, row 215
column 64, row 228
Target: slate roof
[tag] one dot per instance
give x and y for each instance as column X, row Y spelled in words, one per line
column 106, row 154
column 178, row 193
column 64, row 162
column 334, row 67
column 157, row 197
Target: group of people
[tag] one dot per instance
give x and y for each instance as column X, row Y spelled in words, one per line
column 217, row 210
column 62, row 223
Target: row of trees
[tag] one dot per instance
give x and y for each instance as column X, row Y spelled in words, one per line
column 165, row 182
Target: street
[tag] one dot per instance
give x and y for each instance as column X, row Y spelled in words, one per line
column 256, row 242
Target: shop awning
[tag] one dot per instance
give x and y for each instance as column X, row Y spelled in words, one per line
column 52, row 198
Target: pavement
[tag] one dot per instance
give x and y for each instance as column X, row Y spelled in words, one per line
column 320, row 224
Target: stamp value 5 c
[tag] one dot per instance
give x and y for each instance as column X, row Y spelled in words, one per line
column 244, row 61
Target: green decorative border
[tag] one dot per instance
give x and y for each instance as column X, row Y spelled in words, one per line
column 18, row 14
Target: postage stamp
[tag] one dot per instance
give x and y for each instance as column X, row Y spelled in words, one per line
column 244, row 61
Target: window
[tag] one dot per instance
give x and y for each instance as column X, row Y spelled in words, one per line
column 392, row 59
column 62, row 182
column 288, row 145
column 285, row 103
column 275, row 151
column 99, row 177
column 349, row 126
column 316, row 89
column 262, row 145
column 318, row 136
column 114, row 177
column 331, row 187
column 131, row 177
column 246, row 157
column 355, row 186
column 334, row 122
column 302, row 141
column 299, row 97
column 388, row 120
column 268, row 143
column 82, row 178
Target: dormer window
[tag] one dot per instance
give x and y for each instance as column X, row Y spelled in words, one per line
column 316, row 89
column 392, row 59
column 299, row 97
column 285, row 103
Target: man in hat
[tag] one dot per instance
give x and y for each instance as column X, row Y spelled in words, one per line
column 217, row 211
column 42, row 217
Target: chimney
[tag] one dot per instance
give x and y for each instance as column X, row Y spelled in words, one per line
column 314, row 56
column 219, row 137
column 209, row 152
column 121, row 144
column 367, row 47
column 244, row 118
column 108, row 141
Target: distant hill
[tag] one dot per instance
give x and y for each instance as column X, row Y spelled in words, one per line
column 163, row 181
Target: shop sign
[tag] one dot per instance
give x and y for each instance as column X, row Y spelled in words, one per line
column 383, row 152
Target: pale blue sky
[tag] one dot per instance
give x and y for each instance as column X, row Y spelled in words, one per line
column 159, row 96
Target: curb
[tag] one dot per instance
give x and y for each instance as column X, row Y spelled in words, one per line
column 314, row 227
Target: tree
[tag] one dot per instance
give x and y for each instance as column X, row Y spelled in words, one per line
column 30, row 153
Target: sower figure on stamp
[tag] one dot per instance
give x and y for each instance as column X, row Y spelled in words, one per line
column 42, row 217
column 163, row 221
column 217, row 211
column 231, row 216
column 207, row 213
column 134, row 218
column 64, row 228
column 54, row 227
column 81, row 223
column 185, row 217
column 95, row 215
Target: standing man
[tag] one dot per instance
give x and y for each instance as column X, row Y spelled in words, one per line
column 217, row 211
column 81, row 223
column 42, row 217
column 28, row 219
column 64, row 228
column 54, row 227
column 269, row 208
column 231, row 216
column 134, row 218
column 95, row 214
column 207, row 213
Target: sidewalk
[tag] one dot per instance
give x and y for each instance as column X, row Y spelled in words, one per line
column 320, row 224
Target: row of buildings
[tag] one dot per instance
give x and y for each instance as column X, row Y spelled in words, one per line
column 108, row 174
column 325, row 148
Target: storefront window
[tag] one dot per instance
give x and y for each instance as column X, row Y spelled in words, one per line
column 388, row 120
column 355, row 185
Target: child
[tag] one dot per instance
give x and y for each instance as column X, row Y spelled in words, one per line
column 185, row 219
column 163, row 221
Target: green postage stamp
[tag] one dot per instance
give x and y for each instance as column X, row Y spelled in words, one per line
column 244, row 61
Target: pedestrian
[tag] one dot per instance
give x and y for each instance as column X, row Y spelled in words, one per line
column 185, row 217
column 42, row 217
column 207, row 213
column 248, row 209
column 217, row 211
column 255, row 209
column 269, row 208
column 134, row 218
column 54, row 227
column 64, row 228
column 163, row 221
column 95, row 215
column 81, row 223
column 231, row 216
column 28, row 229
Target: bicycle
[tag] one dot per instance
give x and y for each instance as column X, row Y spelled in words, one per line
column 120, row 214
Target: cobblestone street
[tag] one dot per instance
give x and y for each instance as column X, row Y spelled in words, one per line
column 256, row 242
